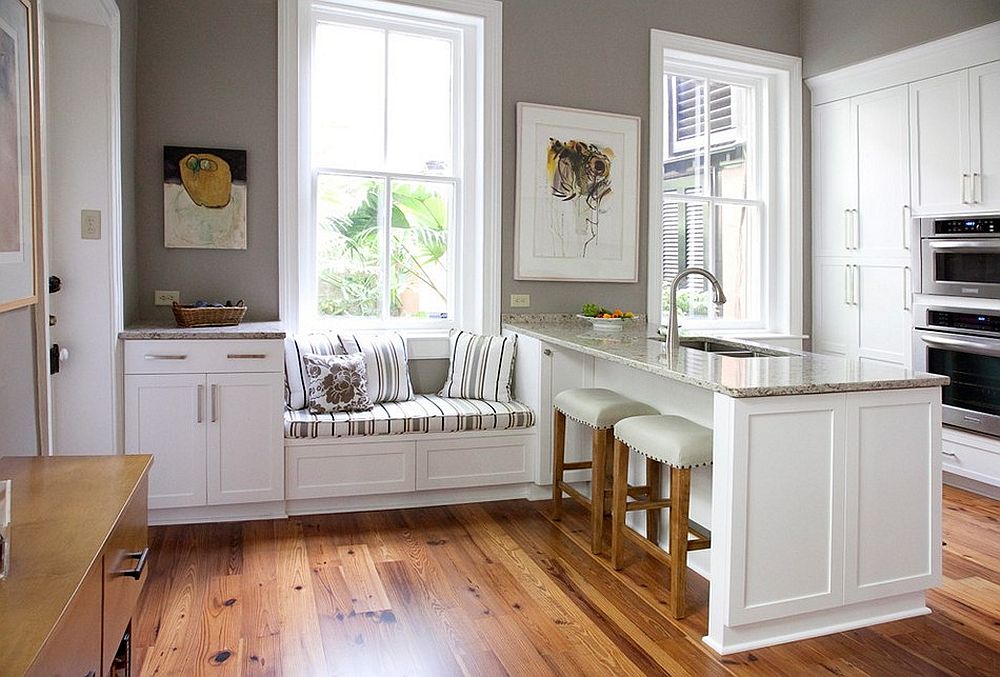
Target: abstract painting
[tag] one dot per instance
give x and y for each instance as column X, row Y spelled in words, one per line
column 204, row 198
column 18, row 144
column 577, row 195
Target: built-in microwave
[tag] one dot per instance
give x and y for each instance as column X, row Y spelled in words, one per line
column 960, row 256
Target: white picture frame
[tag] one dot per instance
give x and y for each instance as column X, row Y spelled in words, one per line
column 577, row 195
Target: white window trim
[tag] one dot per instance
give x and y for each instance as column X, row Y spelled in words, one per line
column 783, row 311
column 480, row 301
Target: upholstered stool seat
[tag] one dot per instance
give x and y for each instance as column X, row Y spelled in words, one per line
column 600, row 409
column 681, row 444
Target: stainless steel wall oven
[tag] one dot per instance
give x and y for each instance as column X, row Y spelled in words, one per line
column 960, row 256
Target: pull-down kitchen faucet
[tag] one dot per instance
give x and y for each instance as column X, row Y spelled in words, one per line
column 718, row 297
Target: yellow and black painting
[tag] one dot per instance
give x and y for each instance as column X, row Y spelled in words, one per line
column 204, row 198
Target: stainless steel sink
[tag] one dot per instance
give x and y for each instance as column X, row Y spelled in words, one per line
column 724, row 348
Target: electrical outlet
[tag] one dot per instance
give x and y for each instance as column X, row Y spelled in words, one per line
column 90, row 224
column 520, row 300
column 166, row 298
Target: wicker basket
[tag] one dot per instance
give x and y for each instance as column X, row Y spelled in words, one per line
column 209, row 316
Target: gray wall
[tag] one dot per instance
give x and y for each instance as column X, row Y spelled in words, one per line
column 837, row 33
column 207, row 76
column 594, row 54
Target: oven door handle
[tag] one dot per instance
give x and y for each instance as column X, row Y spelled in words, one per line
column 970, row 246
column 978, row 347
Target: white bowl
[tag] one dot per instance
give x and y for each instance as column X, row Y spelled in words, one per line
column 605, row 323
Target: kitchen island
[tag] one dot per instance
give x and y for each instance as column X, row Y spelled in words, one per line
column 824, row 497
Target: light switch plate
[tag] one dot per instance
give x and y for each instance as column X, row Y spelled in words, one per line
column 90, row 224
column 166, row 298
column 520, row 300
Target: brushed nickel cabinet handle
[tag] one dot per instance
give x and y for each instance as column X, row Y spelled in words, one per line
column 977, row 187
column 201, row 404
column 848, row 297
column 847, row 229
column 215, row 401
column 949, row 453
column 906, row 287
column 246, row 356
column 149, row 356
column 906, row 227
column 965, row 180
column 136, row 571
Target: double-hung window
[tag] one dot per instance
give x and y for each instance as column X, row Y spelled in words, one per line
column 723, row 184
column 395, row 218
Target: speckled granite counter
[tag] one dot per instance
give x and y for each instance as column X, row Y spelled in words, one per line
column 247, row 330
column 780, row 372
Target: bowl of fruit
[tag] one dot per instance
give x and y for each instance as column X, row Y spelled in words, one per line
column 603, row 319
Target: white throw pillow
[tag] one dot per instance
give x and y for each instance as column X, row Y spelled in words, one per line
column 296, row 382
column 385, row 358
column 481, row 366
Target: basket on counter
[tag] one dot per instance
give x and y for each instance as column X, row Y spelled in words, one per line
column 209, row 316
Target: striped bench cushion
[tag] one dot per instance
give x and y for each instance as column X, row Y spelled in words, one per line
column 422, row 414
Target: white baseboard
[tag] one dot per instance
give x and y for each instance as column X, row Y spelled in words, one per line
column 969, row 484
column 207, row 514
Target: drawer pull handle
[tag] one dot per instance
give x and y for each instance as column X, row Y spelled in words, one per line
column 166, row 357
column 246, row 356
column 136, row 572
column 949, row 453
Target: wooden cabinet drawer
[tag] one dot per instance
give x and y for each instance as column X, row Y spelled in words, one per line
column 345, row 469
column 123, row 553
column 74, row 647
column 205, row 356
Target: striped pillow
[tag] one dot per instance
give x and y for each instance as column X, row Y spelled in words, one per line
column 481, row 366
column 296, row 381
column 385, row 357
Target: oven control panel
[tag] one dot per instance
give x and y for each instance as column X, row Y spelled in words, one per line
column 986, row 323
column 988, row 225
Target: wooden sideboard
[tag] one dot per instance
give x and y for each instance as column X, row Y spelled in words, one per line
column 78, row 543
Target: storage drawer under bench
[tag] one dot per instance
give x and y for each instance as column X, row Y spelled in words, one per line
column 203, row 356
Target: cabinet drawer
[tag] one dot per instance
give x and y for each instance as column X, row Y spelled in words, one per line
column 121, row 591
column 207, row 356
column 445, row 464
column 74, row 647
column 320, row 471
column 970, row 461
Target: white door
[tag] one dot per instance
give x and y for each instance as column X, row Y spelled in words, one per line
column 881, row 132
column 165, row 417
column 834, row 178
column 882, row 292
column 245, row 444
column 835, row 324
column 892, row 434
column 984, row 90
column 81, row 175
column 939, row 120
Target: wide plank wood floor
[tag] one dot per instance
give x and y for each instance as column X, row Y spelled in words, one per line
column 498, row 588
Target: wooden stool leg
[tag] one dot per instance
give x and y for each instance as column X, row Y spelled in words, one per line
column 680, row 496
column 619, row 498
column 655, row 494
column 599, row 445
column 558, row 459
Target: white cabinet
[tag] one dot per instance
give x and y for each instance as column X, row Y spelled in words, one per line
column 862, row 310
column 956, row 141
column 841, row 473
column 210, row 414
column 861, row 175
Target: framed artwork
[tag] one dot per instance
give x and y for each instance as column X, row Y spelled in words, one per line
column 19, row 181
column 204, row 198
column 577, row 212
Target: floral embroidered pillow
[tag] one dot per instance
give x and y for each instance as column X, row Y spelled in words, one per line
column 337, row 383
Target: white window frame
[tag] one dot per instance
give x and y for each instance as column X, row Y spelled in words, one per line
column 477, row 248
column 779, row 175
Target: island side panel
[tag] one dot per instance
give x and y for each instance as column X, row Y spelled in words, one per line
column 807, row 492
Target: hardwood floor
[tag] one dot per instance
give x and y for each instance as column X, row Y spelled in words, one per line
column 498, row 588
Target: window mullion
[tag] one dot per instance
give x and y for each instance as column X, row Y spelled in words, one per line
column 385, row 229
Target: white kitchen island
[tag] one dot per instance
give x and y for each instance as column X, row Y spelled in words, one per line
column 824, row 498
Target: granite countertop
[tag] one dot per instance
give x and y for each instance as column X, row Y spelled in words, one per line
column 246, row 330
column 779, row 371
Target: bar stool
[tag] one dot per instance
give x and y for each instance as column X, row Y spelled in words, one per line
column 681, row 444
column 600, row 409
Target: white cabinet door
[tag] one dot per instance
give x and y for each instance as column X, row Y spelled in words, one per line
column 165, row 417
column 245, row 445
column 835, row 325
column 893, row 434
column 834, row 178
column 984, row 96
column 883, row 312
column 939, row 123
column 881, row 131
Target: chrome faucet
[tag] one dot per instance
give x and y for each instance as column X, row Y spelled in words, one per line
column 718, row 297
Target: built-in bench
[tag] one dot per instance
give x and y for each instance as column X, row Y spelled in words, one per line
column 413, row 452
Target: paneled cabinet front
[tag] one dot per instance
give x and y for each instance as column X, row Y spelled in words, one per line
column 216, row 437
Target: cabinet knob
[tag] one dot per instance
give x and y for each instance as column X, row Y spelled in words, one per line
column 547, row 352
